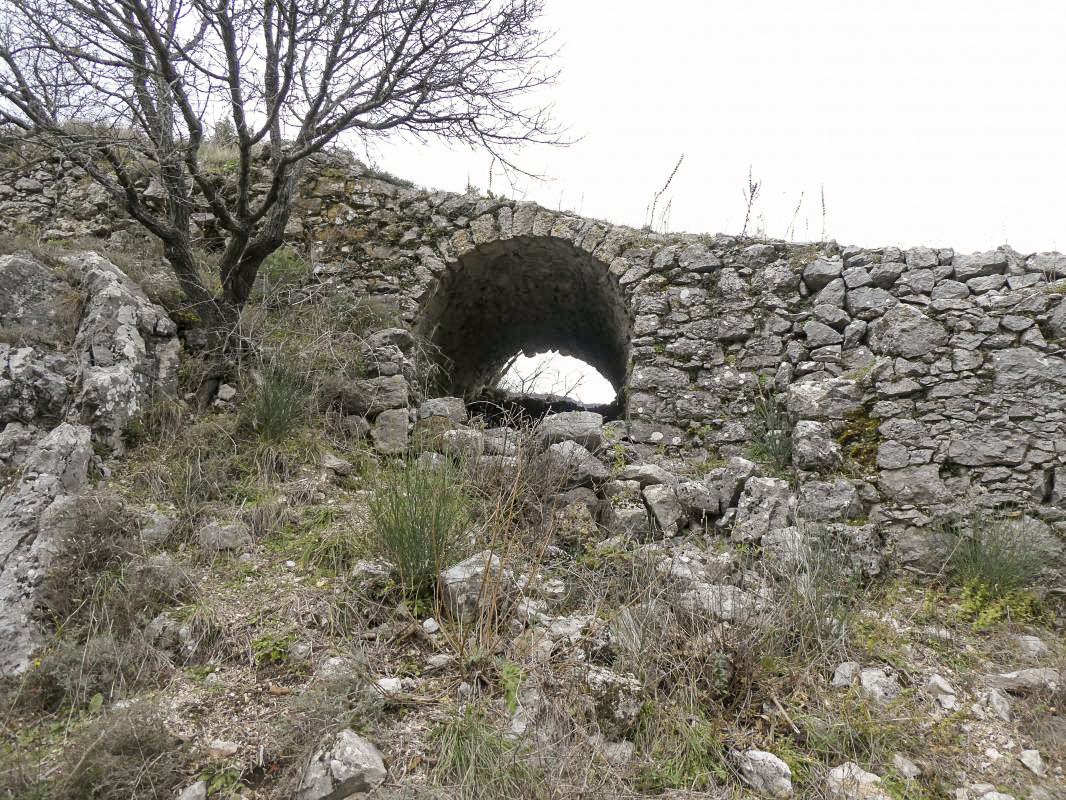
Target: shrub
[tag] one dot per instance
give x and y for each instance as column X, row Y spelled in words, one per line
column 815, row 600
column 124, row 754
column 129, row 754
column 418, row 514
column 100, row 580
column 285, row 267
column 80, row 674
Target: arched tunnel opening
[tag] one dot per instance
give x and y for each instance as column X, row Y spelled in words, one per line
column 526, row 295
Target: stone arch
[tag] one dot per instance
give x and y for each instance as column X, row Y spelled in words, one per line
column 531, row 293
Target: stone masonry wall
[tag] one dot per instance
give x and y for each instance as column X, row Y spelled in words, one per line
column 924, row 375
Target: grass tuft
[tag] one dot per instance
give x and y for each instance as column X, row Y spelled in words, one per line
column 478, row 763
column 996, row 561
column 418, row 513
column 771, row 432
column 278, row 405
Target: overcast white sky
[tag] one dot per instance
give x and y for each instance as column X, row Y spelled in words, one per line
column 937, row 122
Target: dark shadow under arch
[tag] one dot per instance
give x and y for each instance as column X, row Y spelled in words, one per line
column 527, row 293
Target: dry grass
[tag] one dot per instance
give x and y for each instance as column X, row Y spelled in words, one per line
column 263, row 623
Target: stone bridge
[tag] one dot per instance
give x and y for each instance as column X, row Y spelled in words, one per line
column 922, row 375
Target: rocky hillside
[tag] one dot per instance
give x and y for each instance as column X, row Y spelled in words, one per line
column 336, row 580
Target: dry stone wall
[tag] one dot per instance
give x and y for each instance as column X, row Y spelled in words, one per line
column 922, row 376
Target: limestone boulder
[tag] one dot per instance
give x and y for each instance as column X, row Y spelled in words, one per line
column 765, row 505
column 127, row 348
column 665, row 508
column 348, row 765
column 54, row 471
column 735, row 475
column 29, row 294
column 918, row 485
column 583, row 427
column 699, row 500
column 765, row 773
column 1056, row 321
column 821, row 272
column 813, row 446
column 719, row 603
column 648, row 475
column 369, row 396
column 390, row 431
column 869, row 302
column 849, row 781
column 453, row 408
column 217, row 537
column 573, row 464
column 474, row 586
column 906, row 331
column 976, row 265
column 824, row 501
column 824, row 399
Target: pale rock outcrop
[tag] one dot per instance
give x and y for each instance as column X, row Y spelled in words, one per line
column 56, row 469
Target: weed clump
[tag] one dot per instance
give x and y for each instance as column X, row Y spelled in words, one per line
column 996, row 561
column 478, row 763
column 418, row 513
column 100, row 579
column 682, row 748
column 126, row 753
column 771, row 432
column 278, row 405
column 285, row 268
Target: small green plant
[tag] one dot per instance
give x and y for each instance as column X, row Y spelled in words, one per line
column 771, row 432
column 511, row 677
column 987, row 607
column 285, row 267
column 478, row 763
column 278, row 406
column 221, row 782
column 418, row 514
column 618, row 459
column 272, row 648
column 996, row 560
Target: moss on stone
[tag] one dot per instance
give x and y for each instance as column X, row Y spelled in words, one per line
column 859, row 439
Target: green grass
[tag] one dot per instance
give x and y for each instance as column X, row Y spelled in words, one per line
column 419, row 514
column 477, row 762
column 278, row 405
column 680, row 749
column 771, row 433
column 996, row 561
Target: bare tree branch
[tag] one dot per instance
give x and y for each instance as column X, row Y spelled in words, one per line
column 122, row 88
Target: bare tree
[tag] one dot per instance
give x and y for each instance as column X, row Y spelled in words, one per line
column 123, row 87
